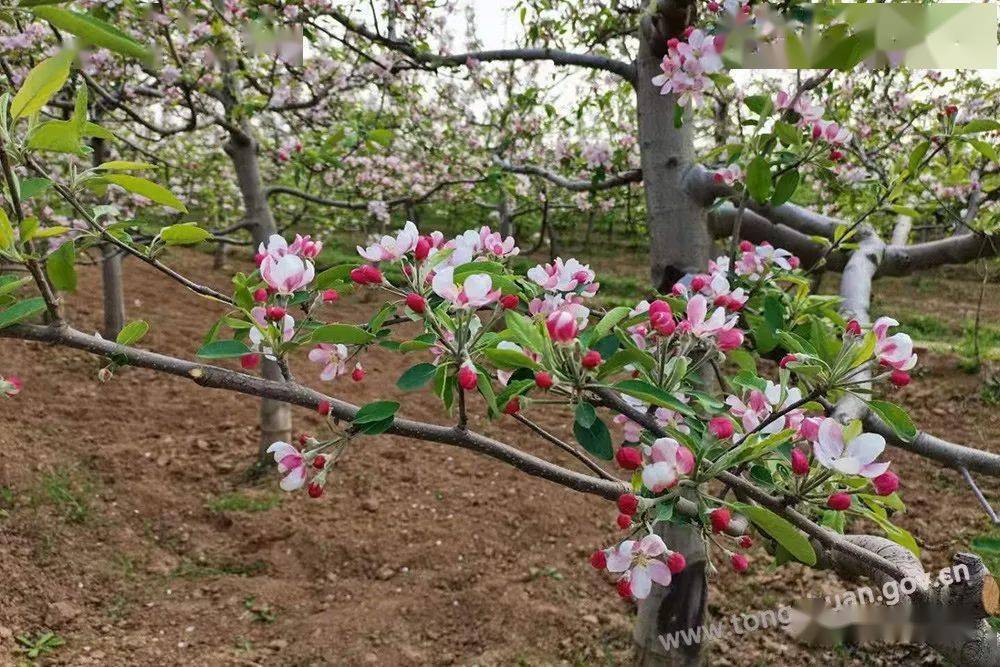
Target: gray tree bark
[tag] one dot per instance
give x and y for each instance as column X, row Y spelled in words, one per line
column 275, row 416
column 112, row 286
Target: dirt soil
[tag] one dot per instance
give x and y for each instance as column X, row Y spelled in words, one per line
column 128, row 527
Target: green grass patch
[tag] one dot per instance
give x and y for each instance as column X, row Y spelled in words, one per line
column 238, row 501
column 69, row 491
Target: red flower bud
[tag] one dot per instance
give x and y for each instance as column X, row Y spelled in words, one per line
column 785, row 360
column 839, row 501
column 721, row 427
column 250, row 361
column 599, row 559
column 745, row 246
column 900, row 378
column 740, row 562
column 628, row 503
column 315, row 490
column 467, row 377
column 513, row 406
column 676, row 562
column 509, row 301
column 950, row 110
column 720, row 519
column 853, row 327
column 275, row 313
column 358, row 374
column 794, row 261
column 323, row 407
column 258, row 258
column 592, row 359
column 260, row 295
column 836, row 155
column 544, row 380
column 624, row 521
column 624, row 587
column 330, row 296
column 800, row 462
column 746, row 542
column 423, row 248
column 629, row 458
column 319, row 462
column 698, row 283
column 416, row 303
column 886, row 484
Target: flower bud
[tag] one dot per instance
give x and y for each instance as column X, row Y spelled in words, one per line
column 794, row 261
column 624, row 587
column 599, row 559
column 800, row 463
column 676, row 562
column 358, row 374
column 698, row 283
column 624, row 521
column 543, row 379
column 839, row 501
column 740, row 562
column 629, row 458
column 509, row 301
column 275, row 313
column 323, row 407
column 467, row 376
column 260, row 295
column 746, row 542
column 319, row 462
column 900, row 378
column 720, row 519
column 562, row 327
column 628, row 503
column 950, row 110
column 513, row 406
column 745, row 246
column 853, row 328
column 315, row 490
column 592, row 359
column 886, row 484
column 721, row 427
column 250, row 361
column 423, row 248
column 258, row 258
column 416, row 303
column 330, row 296
column 785, row 360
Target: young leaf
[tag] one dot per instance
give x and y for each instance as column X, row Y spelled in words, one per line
column 782, row 531
column 6, row 232
column 509, row 359
column 60, row 267
column 223, row 349
column 42, row 82
column 585, row 414
column 759, row 179
column 416, row 376
column 132, row 332
column 348, row 334
column 895, row 417
column 94, row 31
column 654, row 395
column 124, row 165
column 785, row 187
column 187, row 233
column 147, row 189
column 21, row 310
column 596, row 439
column 375, row 412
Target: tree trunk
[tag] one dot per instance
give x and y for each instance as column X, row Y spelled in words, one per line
column 275, row 416
column 503, row 210
column 680, row 243
column 112, row 286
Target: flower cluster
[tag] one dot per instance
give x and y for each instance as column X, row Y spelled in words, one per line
column 10, row 386
column 687, row 64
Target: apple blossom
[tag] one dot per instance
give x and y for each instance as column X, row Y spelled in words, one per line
column 568, row 276
column 287, row 274
column 629, row 458
column 562, row 327
column 416, row 303
column 640, row 564
column 390, row 248
column 599, row 559
column 509, row 301
column 333, row 357
column 291, row 464
column 477, row 290
column 894, row 351
column 10, row 386
column 467, row 376
column 800, row 462
column 856, row 457
column 263, row 333
column 668, row 460
column 721, row 427
column 728, row 175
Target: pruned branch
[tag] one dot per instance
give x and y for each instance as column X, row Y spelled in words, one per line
column 617, row 180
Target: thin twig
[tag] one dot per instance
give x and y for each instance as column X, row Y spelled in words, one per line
column 980, row 497
column 566, row 447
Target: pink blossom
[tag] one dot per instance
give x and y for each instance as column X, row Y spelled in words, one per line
column 856, row 457
column 668, row 460
column 305, row 247
column 391, row 248
column 894, row 351
column 11, row 386
column 562, row 326
column 477, row 290
column 291, row 464
column 568, row 276
column 257, row 335
column 728, row 175
column 640, row 564
column 695, row 321
column 286, row 274
column 333, row 357
column 493, row 243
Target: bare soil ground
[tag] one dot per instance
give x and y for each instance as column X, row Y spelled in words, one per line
column 128, row 529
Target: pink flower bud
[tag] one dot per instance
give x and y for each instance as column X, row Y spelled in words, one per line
column 562, row 327
column 323, row 407
column 544, row 380
column 629, row 458
column 423, row 248
column 698, row 283
column 746, row 542
column 794, row 261
column 260, row 295
column 721, row 427
column 785, row 360
column 900, row 378
column 663, row 323
column 624, row 587
column 720, row 519
column 853, row 328
column 729, row 339
column 319, row 462
column 467, row 376
column 800, row 463
column 275, row 313
column 886, row 484
column 258, row 258
column 315, row 490
column 509, row 301
column 599, row 559
column 676, row 562
column 839, row 501
column 740, row 562
column 624, row 521
column 416, row 303
column 513, row 406
column 250, row 361
column 331, row 296
column 592, row 359
column 358, row 374
column 628, row 503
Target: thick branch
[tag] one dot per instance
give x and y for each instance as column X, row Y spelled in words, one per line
column 630, row 176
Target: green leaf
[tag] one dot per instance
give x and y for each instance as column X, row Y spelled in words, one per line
column 985, row 149
column 653, row 395
column 46, row 232
column 979, row 125
column 334, row 275
column 147, row 189
column 381, row 136
column 186, row 233
column 510, row 359
column 223, row 349
column 42, row 82
column 416, row 376
column 58, row 136
column 785, row 187
column 759, row 179
column 595, row 439
column 132, row 332
column 94, row 31
column 95, row 130
column 917, row 155
column 33, row 186
column 781, row 531
column 10, row 284
column 585, row 414
column 60, row 267
column 21, row 311
column 125, row 165
column 524, row 331
column 375, row 412
column 6, row 232
column 348, row 334
column 895, row 417
column 986, row 544
column 608, row 322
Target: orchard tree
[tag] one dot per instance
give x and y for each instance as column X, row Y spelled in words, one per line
column 710, row 451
